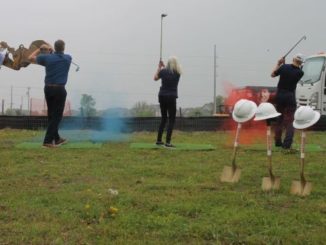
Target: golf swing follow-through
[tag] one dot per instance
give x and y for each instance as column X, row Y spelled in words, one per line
column 297, row 43
column 168, row 94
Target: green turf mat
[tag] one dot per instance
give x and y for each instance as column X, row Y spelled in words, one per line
column 69, row 145
column 180, row 146
column 262, row 147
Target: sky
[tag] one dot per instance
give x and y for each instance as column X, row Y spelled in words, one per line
column 116, row 43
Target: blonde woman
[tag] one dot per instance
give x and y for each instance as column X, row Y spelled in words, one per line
column 167, row 97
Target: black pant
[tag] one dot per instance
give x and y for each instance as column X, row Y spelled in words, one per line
column 55, row 97
column 168, row 105
column 285, row 104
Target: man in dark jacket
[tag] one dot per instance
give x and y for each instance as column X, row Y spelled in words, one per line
column 290, row 75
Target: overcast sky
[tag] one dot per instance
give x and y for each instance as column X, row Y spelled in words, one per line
column 116, row 43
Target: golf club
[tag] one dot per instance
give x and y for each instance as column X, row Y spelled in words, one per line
column 303, row 38
column 77, row 66
column 232, row 174
column 301, row 187
column 162, row 16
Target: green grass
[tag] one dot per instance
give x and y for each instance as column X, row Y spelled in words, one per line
column 72, row 145
column 179, row 146
column 61, row 196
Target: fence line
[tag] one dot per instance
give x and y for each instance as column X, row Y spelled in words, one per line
column 133, row 124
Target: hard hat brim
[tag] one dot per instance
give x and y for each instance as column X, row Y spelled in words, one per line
column 299, row 125
column 258, row 118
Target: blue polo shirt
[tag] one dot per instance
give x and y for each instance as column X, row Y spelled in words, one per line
column 56, row 67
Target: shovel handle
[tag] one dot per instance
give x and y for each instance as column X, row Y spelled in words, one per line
column 269, row 151
column 236, row 140
column 235, row 146
column 302, row 155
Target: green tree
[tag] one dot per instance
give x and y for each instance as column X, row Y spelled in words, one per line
column 87, row 106
column 219, row 103
column 195, row 112
column 11, row 112
column 142, row 109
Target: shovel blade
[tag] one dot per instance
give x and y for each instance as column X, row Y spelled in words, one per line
column 230, row 174
column 269, row 183
column 300, row 188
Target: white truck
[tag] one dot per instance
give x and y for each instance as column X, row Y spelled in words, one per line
column 311, row 89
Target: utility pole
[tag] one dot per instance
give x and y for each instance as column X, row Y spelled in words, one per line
column 28, row 100
column 11, row 91
column 214, row 99
column 3, row 107
column 21, row 105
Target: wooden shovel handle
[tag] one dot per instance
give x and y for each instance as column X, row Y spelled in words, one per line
column 302, row 155
column 235, row 146
column 269, row 151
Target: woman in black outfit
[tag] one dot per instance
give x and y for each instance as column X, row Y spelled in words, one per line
column 167, row 97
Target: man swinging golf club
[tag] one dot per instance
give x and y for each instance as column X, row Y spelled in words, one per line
column 290, row 75
column 57, row 67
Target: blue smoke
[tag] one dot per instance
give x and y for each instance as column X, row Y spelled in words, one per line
column 113, row 128
column 109, row 128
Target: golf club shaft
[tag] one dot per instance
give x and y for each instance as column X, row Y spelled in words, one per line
column 74, row 64
column 161, row 38
column 303, row 38
column 77, row 66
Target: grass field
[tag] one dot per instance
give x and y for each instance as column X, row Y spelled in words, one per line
column 63, row 196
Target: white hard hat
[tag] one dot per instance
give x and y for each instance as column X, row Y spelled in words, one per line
column 299, row 57
column 244, row 110
column 2, row 56
column 305, row 117
column 266, row 111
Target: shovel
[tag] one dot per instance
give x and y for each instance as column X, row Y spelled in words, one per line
column 302, row 187
column 272, row 182
column 231, row 174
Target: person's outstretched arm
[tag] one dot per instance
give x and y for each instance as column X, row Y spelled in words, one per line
column 280, row 62
column 159, row 68
column 45, row 48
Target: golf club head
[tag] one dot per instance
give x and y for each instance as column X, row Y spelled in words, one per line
column 230, row 175
column 269, row 184
column 77, row 68
column 163, row 15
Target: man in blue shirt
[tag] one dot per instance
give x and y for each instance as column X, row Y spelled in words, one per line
column 290, row 75
column 57, row 65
